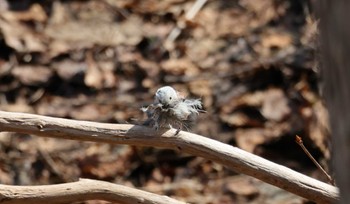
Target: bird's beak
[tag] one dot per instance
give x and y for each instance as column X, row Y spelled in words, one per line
column 163, row 103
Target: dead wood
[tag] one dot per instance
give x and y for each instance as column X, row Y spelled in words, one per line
column 232, row 157
column 84, row 189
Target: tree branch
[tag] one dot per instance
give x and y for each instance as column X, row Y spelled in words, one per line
column 227, row 155
column 84, row 189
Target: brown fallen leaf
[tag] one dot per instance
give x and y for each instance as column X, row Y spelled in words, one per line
column 241, row 186
column 68, row 69
column 248, row 99
column 273, row 40
column 31, row 74
column 239, row 119
column 181, row 66
column 236, row 21
column 275, row 105
column 93, row 76
column 249, row 139
column 35, row 13
column 97, row 32
column 202, row 89
column 319, row 128
column 22, row 38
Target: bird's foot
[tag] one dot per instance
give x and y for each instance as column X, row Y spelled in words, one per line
column 177, row 132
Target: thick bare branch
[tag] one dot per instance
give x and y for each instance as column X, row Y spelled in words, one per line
column 229, row 156
column 84, row 189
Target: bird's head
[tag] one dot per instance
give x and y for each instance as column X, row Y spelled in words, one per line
column 167, row 96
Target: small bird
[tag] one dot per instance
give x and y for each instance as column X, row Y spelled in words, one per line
column 170, row 110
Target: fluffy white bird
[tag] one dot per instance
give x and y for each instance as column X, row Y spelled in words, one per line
column 170, row 110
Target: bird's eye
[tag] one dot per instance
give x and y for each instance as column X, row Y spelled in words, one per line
column 170, row 98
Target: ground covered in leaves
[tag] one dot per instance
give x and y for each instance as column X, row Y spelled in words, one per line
column 253, row 64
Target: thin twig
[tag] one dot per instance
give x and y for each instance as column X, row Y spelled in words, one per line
column 232, row 157
column 181, row 25
column 299, row 141
column 194, row 9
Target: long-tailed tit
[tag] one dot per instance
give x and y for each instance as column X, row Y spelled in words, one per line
column 170, row 110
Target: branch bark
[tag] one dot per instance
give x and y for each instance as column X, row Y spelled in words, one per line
column 84, row 189
column 227, row 155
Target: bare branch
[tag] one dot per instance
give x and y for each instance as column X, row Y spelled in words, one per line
column 227, row 155
column 84, row 189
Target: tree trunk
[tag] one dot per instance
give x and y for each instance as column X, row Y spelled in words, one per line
column 335, row 69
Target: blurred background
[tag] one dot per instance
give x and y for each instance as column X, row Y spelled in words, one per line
column 253, row 64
